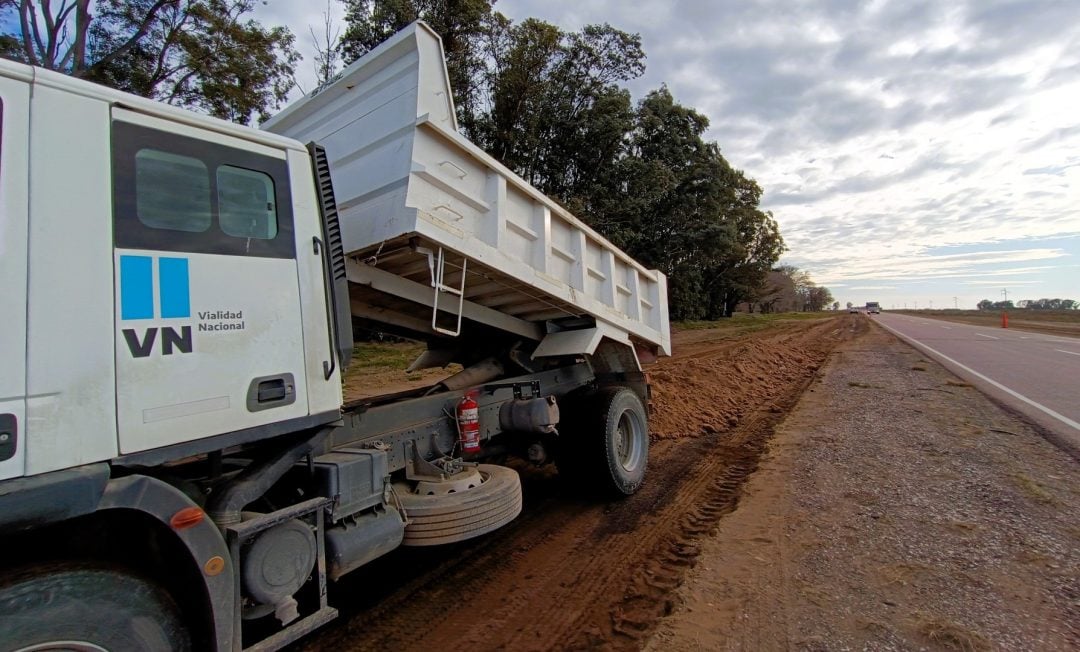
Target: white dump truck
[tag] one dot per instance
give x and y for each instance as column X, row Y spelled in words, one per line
column 177, row 467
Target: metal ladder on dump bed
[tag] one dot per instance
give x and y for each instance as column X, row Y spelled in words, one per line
column 437, row 266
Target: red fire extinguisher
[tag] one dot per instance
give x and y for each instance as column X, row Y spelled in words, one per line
column 468, row 419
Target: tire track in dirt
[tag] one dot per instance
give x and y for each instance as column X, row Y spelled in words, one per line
column 711, row 490
column 571, row 573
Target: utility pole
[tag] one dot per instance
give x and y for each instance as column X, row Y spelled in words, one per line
column 931, row 304
column 1005, row 293
column 955, row 303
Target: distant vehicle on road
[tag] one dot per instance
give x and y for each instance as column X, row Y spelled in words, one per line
column 873, row 308
column 853, row 309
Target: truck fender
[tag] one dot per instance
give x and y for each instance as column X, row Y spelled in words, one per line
column 616, row 363
column 38, row 500
column 203, row 541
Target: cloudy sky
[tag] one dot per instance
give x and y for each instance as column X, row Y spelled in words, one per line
column 911, row 151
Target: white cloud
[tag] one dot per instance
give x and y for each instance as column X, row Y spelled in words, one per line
column 881, row 131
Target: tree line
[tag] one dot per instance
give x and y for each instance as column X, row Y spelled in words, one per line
column 790, row 289
column 550, row 104
column 1029, row 304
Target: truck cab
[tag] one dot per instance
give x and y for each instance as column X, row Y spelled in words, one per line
column 177, row 467
column 165, row 299
column 196, row 266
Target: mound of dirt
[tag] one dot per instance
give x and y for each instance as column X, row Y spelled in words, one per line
column 575, row 572
column 710, row 384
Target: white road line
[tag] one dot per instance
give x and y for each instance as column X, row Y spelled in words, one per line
column 1060, row 417
column 1058, row 339
column 988, row 336
column 1069, row 352
column 948, row 328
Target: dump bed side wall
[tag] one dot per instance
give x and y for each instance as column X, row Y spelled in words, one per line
column 400, row 168
column 468, row 202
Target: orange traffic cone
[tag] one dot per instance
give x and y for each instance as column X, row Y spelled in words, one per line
column 1004, row 319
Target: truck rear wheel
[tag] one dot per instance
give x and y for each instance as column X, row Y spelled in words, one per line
column 85, row 608
column 604, row 441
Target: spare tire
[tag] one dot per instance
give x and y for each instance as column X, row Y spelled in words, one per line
column 435, row 519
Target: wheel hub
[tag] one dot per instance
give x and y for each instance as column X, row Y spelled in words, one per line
column 462, row 481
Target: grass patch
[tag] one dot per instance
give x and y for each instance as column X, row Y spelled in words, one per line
column 864, row 385
column 742, row 319
column 1033, row 489
column 957, row 383
column 742, row 323
column 918, row 367
column 951, row 636
column 993, row 317
column 1057, row 322
column 390, row 357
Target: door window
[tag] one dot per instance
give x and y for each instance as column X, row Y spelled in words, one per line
column 172, row 191
column 246, row 205
column 175, row 193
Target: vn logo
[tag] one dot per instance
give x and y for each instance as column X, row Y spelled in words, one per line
column 137, row 302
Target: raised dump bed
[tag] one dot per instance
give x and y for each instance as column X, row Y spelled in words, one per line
column 436, row 228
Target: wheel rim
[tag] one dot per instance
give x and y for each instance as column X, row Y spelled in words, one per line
column 63, row 646
column 629, row 450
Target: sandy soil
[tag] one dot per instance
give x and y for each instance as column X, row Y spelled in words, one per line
column 575, row 572
column 896, row 508
column 385, row 374
column 716, row 377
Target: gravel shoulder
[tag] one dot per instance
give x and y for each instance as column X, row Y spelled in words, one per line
column 896, row 508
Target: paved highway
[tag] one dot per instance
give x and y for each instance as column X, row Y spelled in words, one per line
column 1035, row 374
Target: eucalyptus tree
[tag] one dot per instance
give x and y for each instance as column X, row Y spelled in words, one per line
column 200, row 54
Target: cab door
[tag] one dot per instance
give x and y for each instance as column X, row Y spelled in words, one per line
column 209, row 333
column 14, row 163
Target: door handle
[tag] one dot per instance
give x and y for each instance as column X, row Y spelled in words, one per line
column 267, row 392
column 328, row 367
column 9, row 436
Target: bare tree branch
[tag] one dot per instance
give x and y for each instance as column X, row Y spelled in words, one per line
column 28, row 8
column 76, row 54
column 160, row 73
column 179, row 85
column 49, row 55
column 144, row 27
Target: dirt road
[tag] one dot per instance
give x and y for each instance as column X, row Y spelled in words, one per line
column 572, row 572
